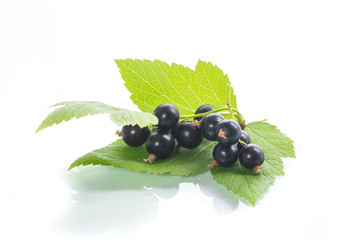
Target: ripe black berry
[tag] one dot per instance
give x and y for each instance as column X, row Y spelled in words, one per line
column 168, row 116
column 225, row 156
column 251, row 157
column 208, row 124
column 203, row 109
column 228, row 132
column 187, row 135
column 175, row 131
column 160, row 143
column 134, row 135
column 245, row 138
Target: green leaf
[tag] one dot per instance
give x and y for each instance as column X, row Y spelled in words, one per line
column 244, row 182
column 270, row 139
column 152, row 83
column 118, row 154
column 78, row 109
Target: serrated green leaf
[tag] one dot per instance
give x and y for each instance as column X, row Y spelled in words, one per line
column 78, row 109
column 244, row 182
column 270, row 139
column 152, row 83
column 118, row 154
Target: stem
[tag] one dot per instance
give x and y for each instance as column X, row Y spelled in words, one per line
column 225, row 113
column 203, row 114
column 229, row 95
column 241, row 118
column 228, row 113
column 221, row 113
column 177, row 148
column 242, row 142
column 233, row 112
column 240, row 115
column 229, row 102
column 152, row 127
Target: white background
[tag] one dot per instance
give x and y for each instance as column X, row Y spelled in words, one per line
column 293, row 62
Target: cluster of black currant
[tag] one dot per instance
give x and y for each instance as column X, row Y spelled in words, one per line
column 234, row 143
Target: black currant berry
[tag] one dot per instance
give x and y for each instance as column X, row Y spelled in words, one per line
column 228, row 132
column 245, row 138
column 187, row 135
column 225, row 156
column 203, row 109
column 175, row 131
column 134, row 135
column 251, row 157
column 160, row 143
column 168, row 116
column 208, row 125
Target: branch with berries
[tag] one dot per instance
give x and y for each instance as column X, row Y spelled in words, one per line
column 209, row 123
column 185, row 124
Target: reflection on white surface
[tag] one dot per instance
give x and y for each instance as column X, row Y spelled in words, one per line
column 224, row 201
column 115, row 200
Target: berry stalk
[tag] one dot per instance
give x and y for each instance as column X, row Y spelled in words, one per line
column 203, row 114
column 236, row 114
column 229, row 103
column 240, row 117
column 232, row 110
column 242, row 142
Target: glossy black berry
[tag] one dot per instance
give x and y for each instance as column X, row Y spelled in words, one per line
column 160, row 143
column 228, row 132
column 175, row 131
column 187, row 135
column 225, row 156
column 134, row 135
column 168, row 116
column 251, row 156
column 208, row 125
column 245, row 138
column 203, row 109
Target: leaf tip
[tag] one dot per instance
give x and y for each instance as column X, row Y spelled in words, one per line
column 71, row 167
column 39, row 129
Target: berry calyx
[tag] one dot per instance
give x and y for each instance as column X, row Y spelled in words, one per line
column 203, row 109
column 161, row 144
column 134, row 136
column 196, row 123
column 213, row 164
column 251, row 157
column 228, row 132
column 208, row 125
column 168, row 116
column 225, row 156
column 151, row 158
column 187, row 135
